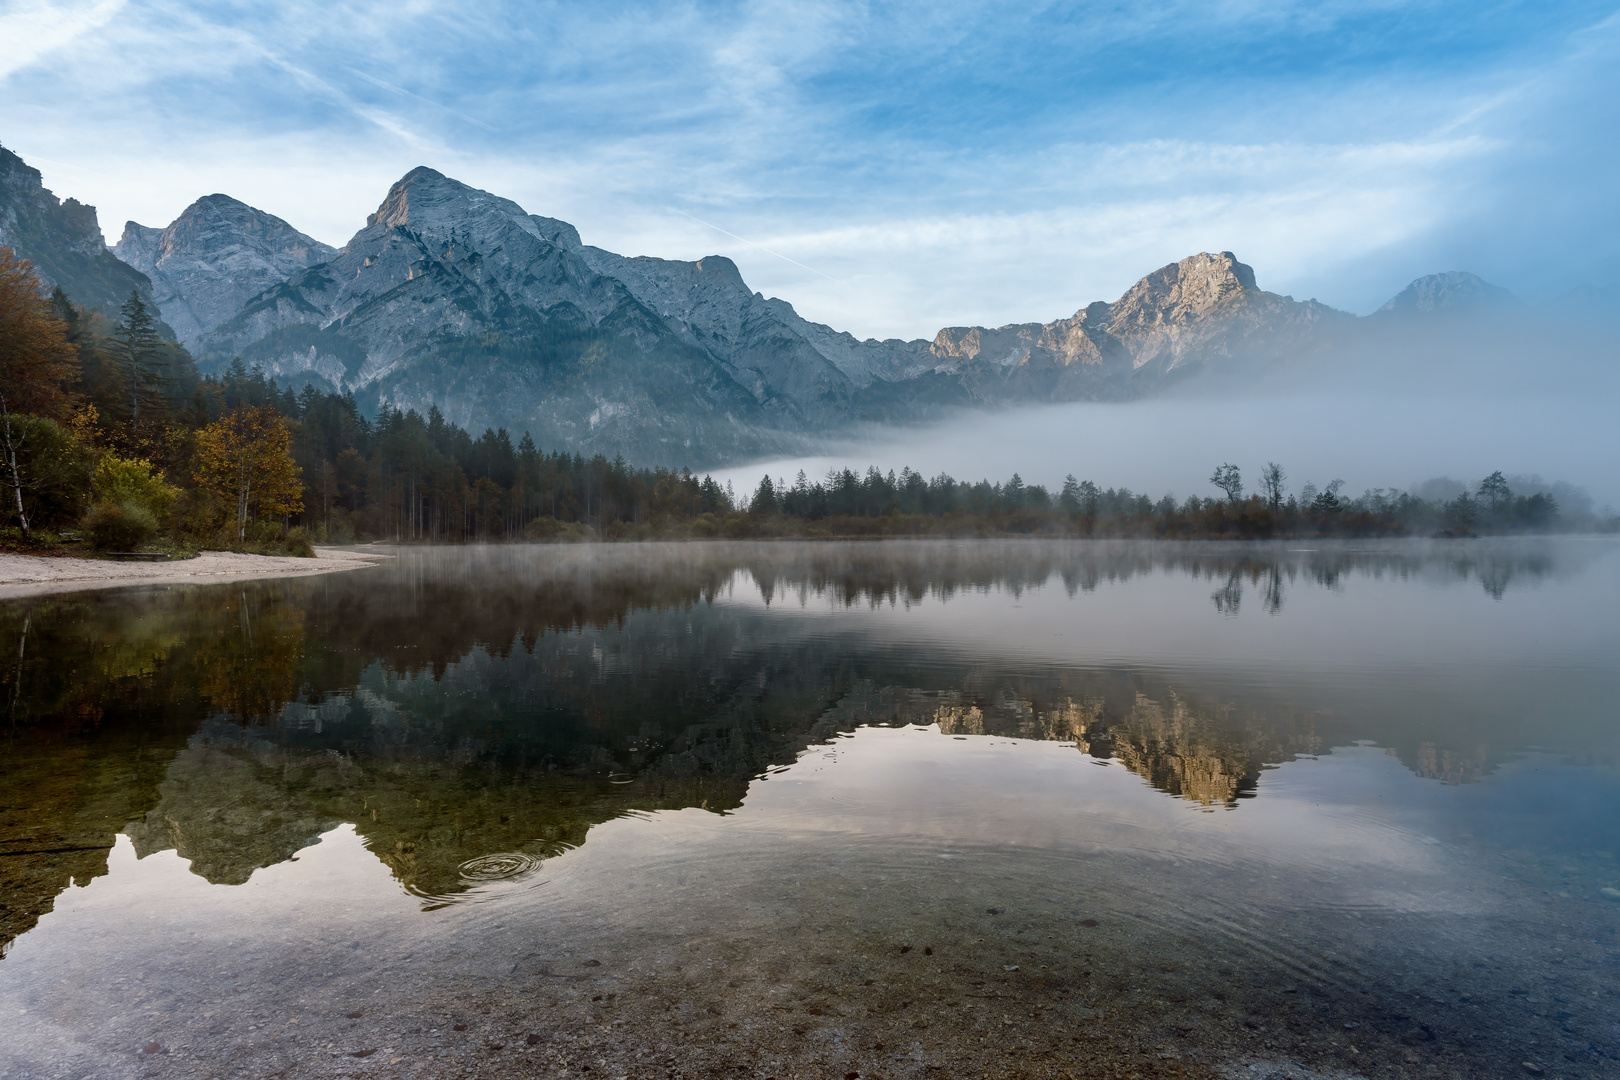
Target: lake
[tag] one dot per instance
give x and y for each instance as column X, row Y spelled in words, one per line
column 895, row 809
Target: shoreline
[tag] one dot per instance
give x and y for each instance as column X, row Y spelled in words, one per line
column 40, row 575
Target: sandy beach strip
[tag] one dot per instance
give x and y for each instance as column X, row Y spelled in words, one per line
column 35, row 575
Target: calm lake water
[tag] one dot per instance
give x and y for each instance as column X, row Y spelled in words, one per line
column 772, row 810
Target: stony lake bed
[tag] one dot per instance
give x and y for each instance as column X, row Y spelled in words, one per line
column 896, row 809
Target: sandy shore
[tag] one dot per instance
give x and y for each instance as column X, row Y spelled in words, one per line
column 33, row 575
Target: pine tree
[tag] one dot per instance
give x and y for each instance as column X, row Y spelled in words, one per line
column 139, row 349
column 764, row 501
column 1069, row 498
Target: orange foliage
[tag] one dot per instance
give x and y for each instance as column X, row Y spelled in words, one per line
column 37, row 361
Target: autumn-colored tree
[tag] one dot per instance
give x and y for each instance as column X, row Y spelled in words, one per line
column 243, row 458
column 36, row 363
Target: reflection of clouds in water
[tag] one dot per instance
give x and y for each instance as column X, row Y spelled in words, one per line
column 981, row 797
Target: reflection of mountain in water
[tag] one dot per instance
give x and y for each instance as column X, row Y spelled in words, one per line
column 237, row 799
column 458, row 705
column 1205, row 756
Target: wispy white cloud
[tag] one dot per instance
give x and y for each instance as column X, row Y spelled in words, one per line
column 35, row 29
column 888, row 168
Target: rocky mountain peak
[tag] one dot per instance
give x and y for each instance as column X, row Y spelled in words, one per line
column 139, row 246
column 722, row 268
column 1454, row 290
column 436, row 207
column 422, row 182
column 215, row 256
column 1197, row 286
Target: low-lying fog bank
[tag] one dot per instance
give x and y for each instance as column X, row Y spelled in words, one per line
column 1171, row 445
column 1392, row 406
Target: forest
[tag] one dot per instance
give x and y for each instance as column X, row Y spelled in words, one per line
column 113, row 440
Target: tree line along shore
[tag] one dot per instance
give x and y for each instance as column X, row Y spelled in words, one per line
column 113, row 440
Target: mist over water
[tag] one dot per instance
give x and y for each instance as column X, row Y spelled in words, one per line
column 1171, row 445
column 1390, row 407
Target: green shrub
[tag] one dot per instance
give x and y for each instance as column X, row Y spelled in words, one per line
column 264, row 534
column 120, row 526
column 296, row 542
column 133, row 480
column 337, row 529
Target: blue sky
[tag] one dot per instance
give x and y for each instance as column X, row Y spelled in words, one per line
column 888, row 168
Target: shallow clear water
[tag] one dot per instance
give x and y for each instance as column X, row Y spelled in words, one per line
column 900, row 809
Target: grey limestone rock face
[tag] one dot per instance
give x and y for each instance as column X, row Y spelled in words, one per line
column 1065, row 360
column 456, row 298
column 710, row 306
column 218, row 254
column 63, row 240
column 437, row 261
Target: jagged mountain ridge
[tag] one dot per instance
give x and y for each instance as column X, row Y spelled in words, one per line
column 63, row 240
column 215, row 257
column 441, row 298
column 455, row 297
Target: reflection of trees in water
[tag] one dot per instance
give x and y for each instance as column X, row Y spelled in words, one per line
column 238, row 798
column 1229, row 597
column 1493, row 565
column 910, row 572
column 252, row 667
column 454, row 706
column 102, row 693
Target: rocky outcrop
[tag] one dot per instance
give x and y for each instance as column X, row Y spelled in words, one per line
column 215, row 257
column 438, row 261
column 710, row 306
column 784, row 358
column 63, row 240
column 1067, row 360
column 1202, row 314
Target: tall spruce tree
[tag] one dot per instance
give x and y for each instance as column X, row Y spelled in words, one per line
column 139, row 350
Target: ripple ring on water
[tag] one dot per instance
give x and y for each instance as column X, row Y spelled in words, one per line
column 501, row 866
